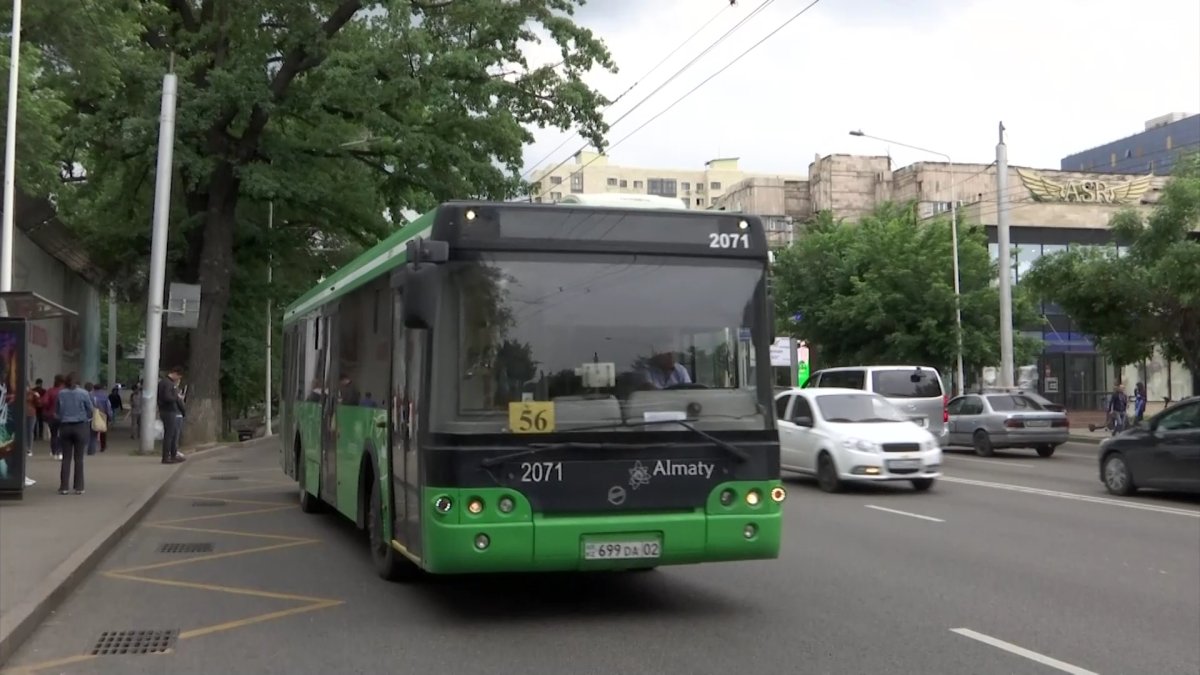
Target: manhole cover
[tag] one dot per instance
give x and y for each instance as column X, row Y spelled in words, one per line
column 187, row 547
column 116, row 643
column 224, row 477
column 209, row 502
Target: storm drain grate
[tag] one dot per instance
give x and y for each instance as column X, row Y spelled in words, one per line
column 224, row 477
column 119, row 642
column 229, row 461
column 186, row 547
column 209, row 502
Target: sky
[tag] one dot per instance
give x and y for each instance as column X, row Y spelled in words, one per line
column 1062, row 75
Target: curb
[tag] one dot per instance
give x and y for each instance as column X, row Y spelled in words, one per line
column 24, row 618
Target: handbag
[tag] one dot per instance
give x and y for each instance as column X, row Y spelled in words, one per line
column 99, row 421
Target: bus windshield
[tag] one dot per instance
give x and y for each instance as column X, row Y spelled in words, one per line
column 608, row 339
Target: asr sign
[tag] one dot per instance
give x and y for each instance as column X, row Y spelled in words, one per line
column 1085, row 191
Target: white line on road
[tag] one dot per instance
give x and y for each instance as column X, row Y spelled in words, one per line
column 1075, row 497
column 905, row 513
column 995, row 462
column 1021, row 651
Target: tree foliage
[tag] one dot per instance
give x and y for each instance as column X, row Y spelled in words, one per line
column 335, row 111
column 1146, row 298
column 882, row 291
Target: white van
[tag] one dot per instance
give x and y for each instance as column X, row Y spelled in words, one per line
column 915, row 390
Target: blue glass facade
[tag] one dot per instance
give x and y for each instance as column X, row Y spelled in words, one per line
column 1152, row 151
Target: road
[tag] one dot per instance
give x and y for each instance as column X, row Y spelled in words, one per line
column 1011, row 565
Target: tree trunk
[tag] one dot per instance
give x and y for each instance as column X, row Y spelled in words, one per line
column 204, row 404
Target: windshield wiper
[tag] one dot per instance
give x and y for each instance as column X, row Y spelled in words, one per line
column 534, row 448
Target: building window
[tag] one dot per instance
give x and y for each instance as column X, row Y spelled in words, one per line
column 1169, row 143
column 1128, row 154
column 624, row 183
column 1151, row 167
column 713, row 201
column 686, row 186
column 699, row 188
column 700, row 201
column 577, row 182
column 556, row 180
column 714, row 185
column 555, row 196
column 612, row 182
column 637, row 185
column 1112, row 159
column 663, row 187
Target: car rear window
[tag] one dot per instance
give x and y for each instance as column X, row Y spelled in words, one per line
column 1013, row 403
column 906, row 383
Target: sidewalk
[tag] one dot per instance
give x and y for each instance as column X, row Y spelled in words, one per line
column 50, row 542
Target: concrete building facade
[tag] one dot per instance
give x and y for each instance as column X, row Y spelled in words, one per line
column 590, row 172
column 1151, row 151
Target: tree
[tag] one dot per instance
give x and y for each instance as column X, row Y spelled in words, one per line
column 337, row 111
column 1146, row 298
column 882, row 291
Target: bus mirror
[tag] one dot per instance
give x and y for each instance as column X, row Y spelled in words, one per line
column 420, row 296
column 419, row 250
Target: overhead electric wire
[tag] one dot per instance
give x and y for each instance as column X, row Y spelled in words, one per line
column 671, row 79
column 630, row 88
column 703, row 82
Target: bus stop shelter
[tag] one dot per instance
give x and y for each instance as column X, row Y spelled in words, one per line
column 17, row 309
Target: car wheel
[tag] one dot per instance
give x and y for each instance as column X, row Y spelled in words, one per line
column 982, row 443
column 922, row 484
column 827, row 477
column 1117, row 478
column 389, row 563
column 1046, row 450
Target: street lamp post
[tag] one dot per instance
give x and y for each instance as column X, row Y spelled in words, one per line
column 959, row 376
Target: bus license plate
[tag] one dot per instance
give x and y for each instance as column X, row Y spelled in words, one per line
column 621, row 550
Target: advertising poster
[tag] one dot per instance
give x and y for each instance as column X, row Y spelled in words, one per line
column 12, row 405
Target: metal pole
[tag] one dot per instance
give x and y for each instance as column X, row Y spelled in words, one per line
column 158, row 261
column 112, row 337
column 267, row 400
column 1002, row 240
column 10, row 156
column 794, row 356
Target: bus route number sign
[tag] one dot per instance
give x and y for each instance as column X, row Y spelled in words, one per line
column 531, row 417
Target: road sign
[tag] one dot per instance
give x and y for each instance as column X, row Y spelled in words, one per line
column 183, row 307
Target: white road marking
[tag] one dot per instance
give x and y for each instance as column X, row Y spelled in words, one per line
column 905, row 513
column 999, row 462
column 1021, row 651
column 1075, row 497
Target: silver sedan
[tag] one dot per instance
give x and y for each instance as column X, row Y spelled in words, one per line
column 988, row 422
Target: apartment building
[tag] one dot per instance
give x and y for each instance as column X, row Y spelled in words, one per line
column 1152, row 150
column 591, row 172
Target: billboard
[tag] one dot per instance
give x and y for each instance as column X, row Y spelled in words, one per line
column 12, row 404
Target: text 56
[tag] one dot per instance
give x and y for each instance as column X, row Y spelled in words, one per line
column 541, row 472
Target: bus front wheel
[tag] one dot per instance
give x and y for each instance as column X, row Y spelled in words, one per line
column 389, row 563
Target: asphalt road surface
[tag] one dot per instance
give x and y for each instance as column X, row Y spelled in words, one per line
column 1011, row 565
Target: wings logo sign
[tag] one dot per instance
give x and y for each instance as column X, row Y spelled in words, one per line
column 1085, row 191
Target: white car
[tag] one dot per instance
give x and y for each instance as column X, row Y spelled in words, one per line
column 842, row 435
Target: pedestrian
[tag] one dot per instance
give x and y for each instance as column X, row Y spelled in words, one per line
column 101, row 421
column 135, row 411
column 40, row 429
column 33, row 402
column 1139, row 402
column 1118, row 409
column 50, row 412
column 73, row 410
column 171, row 412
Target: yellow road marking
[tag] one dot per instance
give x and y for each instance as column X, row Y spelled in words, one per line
column 311, row 603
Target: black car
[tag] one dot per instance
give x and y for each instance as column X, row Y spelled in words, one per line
column 1163, row 452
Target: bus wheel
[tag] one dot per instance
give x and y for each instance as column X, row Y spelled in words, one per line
column 308, row 503
column 389, row 563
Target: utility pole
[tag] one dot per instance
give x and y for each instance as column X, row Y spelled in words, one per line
column 112, row 337
column 1002, row 240
column 158, row 259
column 270, row 260
column 10, row 158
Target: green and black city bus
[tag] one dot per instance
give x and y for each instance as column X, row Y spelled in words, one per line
column 501, row 387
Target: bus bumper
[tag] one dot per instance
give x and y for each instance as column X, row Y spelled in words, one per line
column 475, row 534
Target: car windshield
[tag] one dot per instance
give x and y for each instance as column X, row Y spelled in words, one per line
column 595, row 340
column 858, row 408
column 1013, row 403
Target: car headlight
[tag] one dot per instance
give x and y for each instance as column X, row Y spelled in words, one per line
column 929, row 444
column 861, row 445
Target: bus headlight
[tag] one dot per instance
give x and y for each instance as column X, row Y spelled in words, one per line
column 475, row 506
column 482, row 541
column 506, row 505
column 443, row 504
column 753, row 497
